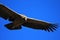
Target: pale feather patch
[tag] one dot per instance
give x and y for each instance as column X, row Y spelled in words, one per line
column 23, row 16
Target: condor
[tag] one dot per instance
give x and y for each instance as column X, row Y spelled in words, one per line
column 19, row 20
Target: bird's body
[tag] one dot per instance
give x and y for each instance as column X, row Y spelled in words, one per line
column 18, row 20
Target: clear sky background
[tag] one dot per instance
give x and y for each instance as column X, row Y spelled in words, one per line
column 47, row 10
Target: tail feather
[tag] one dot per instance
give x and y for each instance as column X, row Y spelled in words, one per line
column 12, row 27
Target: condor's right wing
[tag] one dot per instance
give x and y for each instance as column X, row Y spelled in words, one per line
column 6, row 13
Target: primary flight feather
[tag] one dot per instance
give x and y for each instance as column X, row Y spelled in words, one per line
column 18, row 20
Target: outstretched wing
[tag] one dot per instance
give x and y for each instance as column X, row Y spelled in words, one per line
column 6, row 13
column 36, row 24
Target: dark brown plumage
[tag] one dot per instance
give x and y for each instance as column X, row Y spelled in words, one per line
column 20, row 20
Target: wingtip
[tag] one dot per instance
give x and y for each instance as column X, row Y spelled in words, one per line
column 1, row 4
column 52, row 27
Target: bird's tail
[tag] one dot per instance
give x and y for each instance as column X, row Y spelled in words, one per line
column 12, row 27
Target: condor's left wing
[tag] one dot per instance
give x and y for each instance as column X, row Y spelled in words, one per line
column 40, row 25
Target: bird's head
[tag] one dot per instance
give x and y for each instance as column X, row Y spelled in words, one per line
column 23, row 16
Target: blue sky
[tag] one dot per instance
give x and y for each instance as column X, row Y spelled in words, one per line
column 47, row 10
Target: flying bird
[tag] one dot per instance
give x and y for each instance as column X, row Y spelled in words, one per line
column 19, row 20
